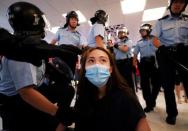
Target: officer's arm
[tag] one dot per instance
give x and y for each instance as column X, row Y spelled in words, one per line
column 53, row 42
column 64, row 114
column 37, row 100
column 156, row 42
column 123, row 48
column 99, row 41
column 143, row 125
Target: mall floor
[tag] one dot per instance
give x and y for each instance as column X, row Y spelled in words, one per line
column 157, row 117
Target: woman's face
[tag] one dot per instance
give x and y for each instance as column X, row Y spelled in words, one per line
column 98, row 57
column 177, row 6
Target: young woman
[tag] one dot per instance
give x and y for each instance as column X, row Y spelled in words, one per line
column 104, row 102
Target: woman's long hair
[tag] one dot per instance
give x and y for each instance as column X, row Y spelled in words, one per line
column 88, row 93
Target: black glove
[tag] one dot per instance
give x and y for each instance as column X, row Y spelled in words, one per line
column 116, row 46
column 71, row 48
column 65, row 115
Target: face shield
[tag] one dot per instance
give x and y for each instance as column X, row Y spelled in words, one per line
column 144, row 28
column 123, row 32
column 47, row 23
column 107, row 21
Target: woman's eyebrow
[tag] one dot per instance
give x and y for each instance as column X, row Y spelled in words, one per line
column 91, row 57
column 103, row 57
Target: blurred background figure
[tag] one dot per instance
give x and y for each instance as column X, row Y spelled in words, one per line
column 149, row 74
column 69, row 35
column 179, row 90
column 96, row 37
column 123, row 57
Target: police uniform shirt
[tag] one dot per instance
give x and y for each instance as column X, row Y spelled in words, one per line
column 16, row 75
column 65, row 36
column 145, row 48
column 171, row 30
column 96, row 30
column 120, row 55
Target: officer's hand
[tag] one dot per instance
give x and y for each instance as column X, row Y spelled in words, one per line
column 60, row 127
column 71, row 48
column 64, row 115
column 116, row 46
column 109, row 43
column 156, row 42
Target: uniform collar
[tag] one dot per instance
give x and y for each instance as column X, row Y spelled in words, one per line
column 179, row 17
column 75, row 31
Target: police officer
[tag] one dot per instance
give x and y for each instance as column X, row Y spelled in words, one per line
column 23, row 106
column 147, row 66
column 171, row 33
column 122, row 52
column 68, row 34
column 97, row 32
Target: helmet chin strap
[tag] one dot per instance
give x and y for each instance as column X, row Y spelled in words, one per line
column 174, row 14
column 145, row 36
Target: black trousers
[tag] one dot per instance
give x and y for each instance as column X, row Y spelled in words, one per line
column 150, row 80
column 170, row 60
column 125, row 68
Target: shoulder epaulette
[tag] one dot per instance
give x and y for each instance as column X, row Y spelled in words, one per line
column 164, row 17
column 62, row 27
column 139, row 40
column 184, row 15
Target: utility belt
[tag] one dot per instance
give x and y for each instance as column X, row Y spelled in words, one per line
column 176, row 47
column 149, row 59
column 178, row 51
column 7, row 99
column 123, row 60
column 3, row 99
column 177, row 54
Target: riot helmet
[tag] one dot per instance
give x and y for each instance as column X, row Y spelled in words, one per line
column 171, row 1
column 146, row 27
column 71, row 14
column 26, row 18
column 100, row 16
column 122, row 32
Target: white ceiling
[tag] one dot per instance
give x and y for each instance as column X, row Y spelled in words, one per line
column 54, row 9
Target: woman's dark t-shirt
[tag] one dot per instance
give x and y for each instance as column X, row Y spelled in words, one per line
column 114, row 112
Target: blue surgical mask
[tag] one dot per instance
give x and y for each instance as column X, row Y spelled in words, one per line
column 97, row 74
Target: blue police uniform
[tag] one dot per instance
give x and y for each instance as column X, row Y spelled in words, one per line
column 124, row 60
column 15, row 75
column 145, row 48
column 65, row 36
column 96, row 30
column 148, row 71
column 172, row 32
column 119, row 55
